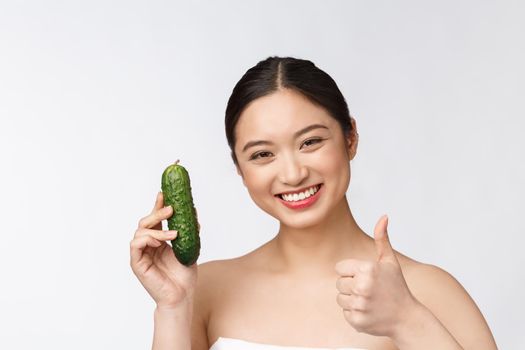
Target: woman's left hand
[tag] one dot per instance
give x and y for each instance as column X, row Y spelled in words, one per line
column 374, row 294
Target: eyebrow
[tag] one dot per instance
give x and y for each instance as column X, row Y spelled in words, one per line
column 295, row 135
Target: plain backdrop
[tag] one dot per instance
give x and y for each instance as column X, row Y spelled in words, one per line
column 98, row 97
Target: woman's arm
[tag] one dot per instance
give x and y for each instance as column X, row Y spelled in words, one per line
column 446, row 314
column 185, row 328
column 419, row 306
column 172, row 328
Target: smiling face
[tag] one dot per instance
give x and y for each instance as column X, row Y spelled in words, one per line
column 285, row 144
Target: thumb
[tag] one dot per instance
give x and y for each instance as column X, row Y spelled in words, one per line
column 383, row 247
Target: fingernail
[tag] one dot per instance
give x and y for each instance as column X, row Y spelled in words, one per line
column 171, row 233
column 167, row 209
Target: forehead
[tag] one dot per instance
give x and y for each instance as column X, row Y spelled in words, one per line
column 279, row 114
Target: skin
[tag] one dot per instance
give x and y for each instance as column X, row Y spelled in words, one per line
column 321, row 281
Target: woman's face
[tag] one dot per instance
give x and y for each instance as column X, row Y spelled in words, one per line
column 285, row 144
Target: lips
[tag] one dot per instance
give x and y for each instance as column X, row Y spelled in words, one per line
column 301, row 203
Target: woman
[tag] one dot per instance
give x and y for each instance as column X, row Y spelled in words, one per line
column 321, row 281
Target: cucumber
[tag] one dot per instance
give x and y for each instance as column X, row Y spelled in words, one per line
column 177, row 193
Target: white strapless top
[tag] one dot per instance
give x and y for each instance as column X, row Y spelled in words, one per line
column 238, row 344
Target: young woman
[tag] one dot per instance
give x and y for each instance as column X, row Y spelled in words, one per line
column 321, row 282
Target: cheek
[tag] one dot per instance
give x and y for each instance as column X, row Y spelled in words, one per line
column 332, row 160
column 256, row 181
column 335, row 167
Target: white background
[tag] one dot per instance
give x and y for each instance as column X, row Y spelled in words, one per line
column 98, row 97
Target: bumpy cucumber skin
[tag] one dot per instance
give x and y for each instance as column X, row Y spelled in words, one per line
column 176, row 189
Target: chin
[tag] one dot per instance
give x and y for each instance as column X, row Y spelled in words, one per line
column 301, row 223
column 300, row 220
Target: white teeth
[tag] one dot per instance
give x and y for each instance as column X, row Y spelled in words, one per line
column 300, row 196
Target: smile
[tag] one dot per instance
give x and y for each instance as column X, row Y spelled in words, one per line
column 300, row 199
column 298, row 196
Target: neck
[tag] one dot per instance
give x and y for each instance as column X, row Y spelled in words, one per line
column 318, row 248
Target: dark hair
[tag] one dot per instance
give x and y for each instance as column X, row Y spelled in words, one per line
column 275, row 73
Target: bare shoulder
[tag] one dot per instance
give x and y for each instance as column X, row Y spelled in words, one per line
column 448, row 300
column 212, row 277
column 216, row 273
column 435, row 287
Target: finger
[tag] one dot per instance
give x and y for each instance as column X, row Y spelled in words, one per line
column 382, row 242
column 349, row 267
column 351, row 302
column 159, row 202
column 137, row 246
column 156, row 217
column 345, row 285
column 359, row 285
column 157, row 234
column 359, row 320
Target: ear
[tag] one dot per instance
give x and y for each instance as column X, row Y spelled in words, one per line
column 352, row 140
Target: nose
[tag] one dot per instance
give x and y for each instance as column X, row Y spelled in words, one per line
column 293, row 171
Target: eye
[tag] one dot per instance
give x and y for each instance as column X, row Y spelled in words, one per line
column 312, row 141
column 263, row 154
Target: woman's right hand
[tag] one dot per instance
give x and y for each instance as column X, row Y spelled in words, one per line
column 153, row 261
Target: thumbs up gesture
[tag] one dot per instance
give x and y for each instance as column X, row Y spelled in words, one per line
column 374, row 294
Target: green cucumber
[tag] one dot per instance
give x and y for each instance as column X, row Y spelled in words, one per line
column 177, row 193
